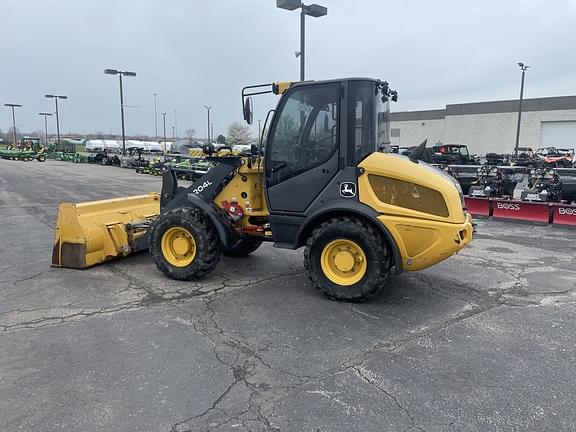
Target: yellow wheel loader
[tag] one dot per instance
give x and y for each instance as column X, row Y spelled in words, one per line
column 320, row 182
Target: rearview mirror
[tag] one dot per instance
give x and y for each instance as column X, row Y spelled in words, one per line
column 247, row 111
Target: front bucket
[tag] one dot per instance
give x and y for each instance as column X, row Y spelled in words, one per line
column 94, row 232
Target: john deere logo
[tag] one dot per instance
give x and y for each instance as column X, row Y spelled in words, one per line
column 348, row 190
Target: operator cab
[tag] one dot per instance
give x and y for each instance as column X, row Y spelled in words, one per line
column 318, row 135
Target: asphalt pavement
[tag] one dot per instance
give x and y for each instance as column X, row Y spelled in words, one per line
column 481, row 342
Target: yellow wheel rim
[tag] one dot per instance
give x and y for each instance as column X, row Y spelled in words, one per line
column 178, row 246
column 343, row 262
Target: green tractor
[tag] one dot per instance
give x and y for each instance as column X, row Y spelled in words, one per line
column 26, row 149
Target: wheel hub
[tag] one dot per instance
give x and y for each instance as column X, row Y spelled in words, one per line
column 343, row 262
column 178, row 246
column 181, row 245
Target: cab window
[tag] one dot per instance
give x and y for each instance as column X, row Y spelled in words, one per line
column 306, row 133
column 362, row 133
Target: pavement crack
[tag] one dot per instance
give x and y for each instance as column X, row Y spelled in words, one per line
column 27, row 278
column 214, row 406
column 42, row 216
column 364, row 375
column 59, row 319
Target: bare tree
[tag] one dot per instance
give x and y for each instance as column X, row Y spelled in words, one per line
column 189, row 133
column 238, row 134
column 11, row 133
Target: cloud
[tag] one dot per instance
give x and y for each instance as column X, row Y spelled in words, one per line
column 197, row 53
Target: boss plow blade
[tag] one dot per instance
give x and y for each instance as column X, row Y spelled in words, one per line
column 93, row 232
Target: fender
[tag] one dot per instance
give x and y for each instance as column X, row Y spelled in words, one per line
column 352, row 208
column 220, row 222
column 169, row 187
column 200, row 197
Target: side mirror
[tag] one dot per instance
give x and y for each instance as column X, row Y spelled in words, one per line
column 247, row 111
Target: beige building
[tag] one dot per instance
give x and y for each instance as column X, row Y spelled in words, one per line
column 491, row 126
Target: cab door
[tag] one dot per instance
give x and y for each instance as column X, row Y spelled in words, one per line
column 302, row 152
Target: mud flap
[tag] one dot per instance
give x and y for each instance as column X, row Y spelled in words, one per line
column 94, row 232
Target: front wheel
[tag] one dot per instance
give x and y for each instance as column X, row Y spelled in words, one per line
column 347, row 259
column 184, row 244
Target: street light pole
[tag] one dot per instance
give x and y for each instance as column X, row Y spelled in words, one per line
column 164, row 120
column 302, row 44
column 175, row 124
column 313, row 10
column 155, row 117
column 13, row 121
column 120, row 74
column 56, row 97
column 45, row 125
column 122, row 116
column 523, row 68
column 208, row 108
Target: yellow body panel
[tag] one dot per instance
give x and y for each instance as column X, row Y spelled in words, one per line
column 281, row 87
column 423, row 239
column 400, row 167
column 93, row 232
column 248, row 188
column 423, row 243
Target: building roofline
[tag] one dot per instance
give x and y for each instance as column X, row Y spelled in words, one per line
column 554, row 103
column 418, row 115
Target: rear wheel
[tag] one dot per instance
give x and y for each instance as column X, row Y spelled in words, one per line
column 184, row 244
column 41, row 158
column 347, row 260
column 243, row 247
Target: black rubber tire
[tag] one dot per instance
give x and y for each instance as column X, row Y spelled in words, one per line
column 243, row 247
column 41, row 158
column 208, row 246
column 374, row 246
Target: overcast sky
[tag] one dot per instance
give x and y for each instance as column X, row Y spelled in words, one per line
column 194, row 53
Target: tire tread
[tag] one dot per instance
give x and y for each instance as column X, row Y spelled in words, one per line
column 199, row 267
column 374, row 281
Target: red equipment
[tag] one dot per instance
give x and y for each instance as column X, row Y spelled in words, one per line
column 521, row 211
column 478, row 206
column 563, row 214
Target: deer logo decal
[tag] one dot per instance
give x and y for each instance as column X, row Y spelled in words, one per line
column 348, row 190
